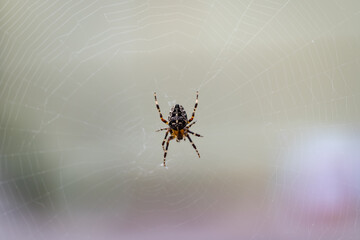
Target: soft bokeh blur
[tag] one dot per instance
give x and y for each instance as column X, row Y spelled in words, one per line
column 279, row 101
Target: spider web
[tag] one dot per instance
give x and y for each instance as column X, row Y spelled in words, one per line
column 278, row 106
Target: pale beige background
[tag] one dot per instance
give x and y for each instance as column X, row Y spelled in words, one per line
column 278, row 106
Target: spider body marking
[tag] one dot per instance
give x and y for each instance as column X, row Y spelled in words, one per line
column 178, row 124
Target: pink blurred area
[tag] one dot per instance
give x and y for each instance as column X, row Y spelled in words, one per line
column 313, row 194
column 320, row 185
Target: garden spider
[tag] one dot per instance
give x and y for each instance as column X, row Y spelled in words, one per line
column 178, row 125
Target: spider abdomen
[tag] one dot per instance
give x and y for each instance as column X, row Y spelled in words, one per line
column 177, row 118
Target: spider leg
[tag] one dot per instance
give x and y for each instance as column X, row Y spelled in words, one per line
column 189, row 126
column 158, row 108
column 196, row 103
column 166, row 134
column 196, row 134
column 162, row 129
column 192, row 143
column 167, row 146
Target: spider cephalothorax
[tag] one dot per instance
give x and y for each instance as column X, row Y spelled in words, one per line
column 178, row 125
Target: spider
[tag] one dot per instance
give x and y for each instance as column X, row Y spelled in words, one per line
column 179, row 125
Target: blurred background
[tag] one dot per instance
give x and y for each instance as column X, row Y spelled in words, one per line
column 279, row 101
